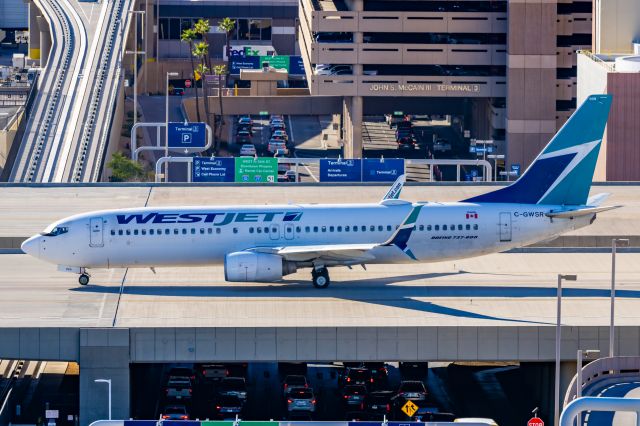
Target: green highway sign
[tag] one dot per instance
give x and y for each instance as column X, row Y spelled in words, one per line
column 264, row 112
column 262, row 169
column 278, row 61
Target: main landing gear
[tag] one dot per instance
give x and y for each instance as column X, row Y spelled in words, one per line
column 83, row 279
column 320, row 277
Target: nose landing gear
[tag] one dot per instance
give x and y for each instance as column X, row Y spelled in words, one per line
column 320, row 277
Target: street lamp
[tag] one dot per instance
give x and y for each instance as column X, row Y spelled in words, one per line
column 556, row 405
column 108, row 382
column 166, row 128
column 135, row 61
column 589, row 354
column 615, row 243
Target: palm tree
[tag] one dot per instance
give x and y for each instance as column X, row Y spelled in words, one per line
column 227, row 25
column 220, row 70
column 188, row 36
column 202, row 27
column 201, row 51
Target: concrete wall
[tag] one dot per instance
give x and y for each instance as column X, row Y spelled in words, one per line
column 617, row 24
column 294, row 105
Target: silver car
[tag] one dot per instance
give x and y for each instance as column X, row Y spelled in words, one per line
column 301, row 399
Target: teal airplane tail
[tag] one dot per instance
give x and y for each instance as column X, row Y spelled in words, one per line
column 562, row 173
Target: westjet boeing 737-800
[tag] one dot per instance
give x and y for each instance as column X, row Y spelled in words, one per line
column 265, row 243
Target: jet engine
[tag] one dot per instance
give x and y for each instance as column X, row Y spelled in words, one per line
column 243, row 266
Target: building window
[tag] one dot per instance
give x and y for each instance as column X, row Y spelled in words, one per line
column 252, row 29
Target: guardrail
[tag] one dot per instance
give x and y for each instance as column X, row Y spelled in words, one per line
column 599, row 404
column 267, row 423
column 603, row 369
column 594, row 58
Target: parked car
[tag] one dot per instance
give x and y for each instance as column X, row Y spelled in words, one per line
column 300, row 399
column 357, row 376
column 245, row 127
column 394, row 118
column 378, row 370
column 179, row 388
column 276, row 117
column 177, row 91
column 280, row 134
column 235, row 386
column 277, row 147
column 335, row 70
column 354, row 395
column 248, row 149
column 182, row 372
column 243, row 136
column 441, row 145
column 327, row 37
column 213, row 372
column 278, row 125
column 288, row 176
column 294, row 380
column 378, row 403
column 228, row 406
column 413, row 390
column 175, row 412
column 245, row 120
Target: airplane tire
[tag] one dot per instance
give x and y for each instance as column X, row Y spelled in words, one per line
column 320, row 278
column 83, row 279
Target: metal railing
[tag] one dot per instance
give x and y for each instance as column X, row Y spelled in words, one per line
column 603, row 369
column 599, row 404
column 595, row 58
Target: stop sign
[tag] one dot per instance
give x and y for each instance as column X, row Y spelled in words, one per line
column 187, row 83
column 536, row 421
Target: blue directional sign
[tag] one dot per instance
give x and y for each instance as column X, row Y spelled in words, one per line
column 205, row 169
column 340, row 170
column 238, row 63
column 382, row 170
column 296, row 66
column 516, row 169
column 189, row 135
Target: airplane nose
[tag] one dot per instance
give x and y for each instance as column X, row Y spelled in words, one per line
column 31, row 246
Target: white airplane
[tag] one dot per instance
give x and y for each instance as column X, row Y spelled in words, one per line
column 265, row 243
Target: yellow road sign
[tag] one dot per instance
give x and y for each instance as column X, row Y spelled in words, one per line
column 410, row 408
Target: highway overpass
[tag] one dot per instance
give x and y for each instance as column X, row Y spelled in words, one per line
column 500, row 307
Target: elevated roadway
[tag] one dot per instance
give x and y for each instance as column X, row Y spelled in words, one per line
column 67, row 130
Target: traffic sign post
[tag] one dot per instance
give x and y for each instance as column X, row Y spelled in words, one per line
column 187, row 83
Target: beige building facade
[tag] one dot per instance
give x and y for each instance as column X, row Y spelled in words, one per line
column 512, row 64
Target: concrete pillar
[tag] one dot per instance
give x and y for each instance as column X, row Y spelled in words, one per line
column 567, row 372
column 45, row 41
column 104, row 354
column 531, row 78
column 34, row 31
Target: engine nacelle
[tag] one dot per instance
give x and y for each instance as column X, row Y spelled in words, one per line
column 243, row 266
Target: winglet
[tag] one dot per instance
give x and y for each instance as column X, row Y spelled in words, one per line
column 394, row 192
column 400, row 238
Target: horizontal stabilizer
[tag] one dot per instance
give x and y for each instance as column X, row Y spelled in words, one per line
column 598, row 199
column 568, row 214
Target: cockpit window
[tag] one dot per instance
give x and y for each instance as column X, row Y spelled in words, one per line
column 58, row 230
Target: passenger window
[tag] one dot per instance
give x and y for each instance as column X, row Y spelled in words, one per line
column 202, row 230
column 307, row 229
column 315, row 229
column 453, row 227
column 468, row 227
column 218, row 230
column 266, row 229
column 389, row 228
column 428, row 227
column 119, row 231
column 380, row 228
column 235, row 230
column 167, row 231
column 259, row 230
column 176, row 231
column 372, row 228
column 152, row 231
column 209, row 230
column 128, row 232
column 363, row 228
column 347, row 228
column 475, row 227
column 274, row 230
column 298, row 229
column 421, row 228
column 251, row 229
column 459, row 227
column 444, row 227
column 184, row 231
column 437, row 227
column 143, row 231
column 339, row 228
column 355, row 229
column 113, row 232
column 331, row 228
column 324, row 229
column 135, row 232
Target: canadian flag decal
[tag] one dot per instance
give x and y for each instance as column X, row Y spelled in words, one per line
column 472, row 215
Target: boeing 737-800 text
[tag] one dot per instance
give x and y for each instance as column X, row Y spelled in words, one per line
column 265, row 243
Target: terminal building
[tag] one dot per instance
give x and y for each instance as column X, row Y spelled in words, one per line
column 509, row 68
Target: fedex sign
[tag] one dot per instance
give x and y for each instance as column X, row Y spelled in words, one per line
column 247, row 50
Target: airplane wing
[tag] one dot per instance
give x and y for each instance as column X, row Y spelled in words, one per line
column 348, row 254
column 568, row 214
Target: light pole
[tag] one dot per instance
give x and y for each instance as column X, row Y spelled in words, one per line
column 166, row 128
column 615, row 243
column 108, row 382
column 135, row 54
column 556, row 405
column 582, row 355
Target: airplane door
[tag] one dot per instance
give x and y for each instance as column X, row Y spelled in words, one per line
column 274, row 232
column 288, row 231
column 505, row 226
column 95, row 232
